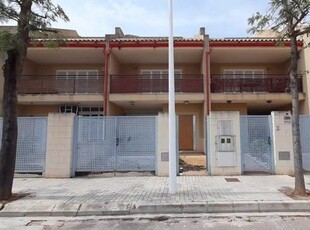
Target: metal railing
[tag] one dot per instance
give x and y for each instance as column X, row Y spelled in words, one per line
column 52, row 84
column 155, row 84
column 255, row 83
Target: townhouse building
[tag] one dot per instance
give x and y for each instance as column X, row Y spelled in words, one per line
column 127, row 75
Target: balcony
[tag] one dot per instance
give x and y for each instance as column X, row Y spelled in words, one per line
column 30, row 84
column 252, row 84
column 155, row 84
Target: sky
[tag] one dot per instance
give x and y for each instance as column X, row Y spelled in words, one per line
column 221, row 18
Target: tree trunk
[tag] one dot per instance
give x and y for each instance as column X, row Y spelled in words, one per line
column 300, row 188
column 9, row 133
column 13, row 68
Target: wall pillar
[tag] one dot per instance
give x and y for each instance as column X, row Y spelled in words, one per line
column 224, row 141
column 162, row 156
column 59, row 150
column 283, row 143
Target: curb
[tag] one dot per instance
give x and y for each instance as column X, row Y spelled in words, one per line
column 224, row 207
column 116, row 209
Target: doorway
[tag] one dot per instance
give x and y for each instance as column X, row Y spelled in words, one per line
column 191, row 161
column 186, row 132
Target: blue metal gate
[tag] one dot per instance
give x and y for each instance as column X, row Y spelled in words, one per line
column 31, row 144
column 256, row 143
column 116, row 144
column 304, row 138
column 96, row 142
column 136, row 149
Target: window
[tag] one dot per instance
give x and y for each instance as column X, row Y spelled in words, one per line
column 76, row 73
column 68, row 109
column 243, row 73
column 77, row 81
column 90, row 111
column 162, row 74
column 157, row 80
column 243, row 80
column 93, row 111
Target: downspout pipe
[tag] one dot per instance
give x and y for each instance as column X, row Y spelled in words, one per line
column 208, row 83
column 207, row 76
column 207, row 100
column 107, row 53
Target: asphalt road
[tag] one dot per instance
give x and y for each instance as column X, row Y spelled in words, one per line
column 177, row 222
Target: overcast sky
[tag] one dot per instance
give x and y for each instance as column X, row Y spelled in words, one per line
column 221, row 18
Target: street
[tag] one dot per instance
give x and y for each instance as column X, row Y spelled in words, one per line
column 264, row 221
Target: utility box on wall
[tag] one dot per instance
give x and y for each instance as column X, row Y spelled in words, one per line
column 224, row 151
column 225, row 143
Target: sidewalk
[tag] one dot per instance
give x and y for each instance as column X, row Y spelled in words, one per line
column 87, row 196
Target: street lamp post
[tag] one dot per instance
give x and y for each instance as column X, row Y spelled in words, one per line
column 172, row 121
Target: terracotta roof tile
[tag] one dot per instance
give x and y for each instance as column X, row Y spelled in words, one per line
column 249, row 39
column 81, row 39
column 155, row 39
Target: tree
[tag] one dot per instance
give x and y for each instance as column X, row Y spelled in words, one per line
column 31, row 16
column 289, row 17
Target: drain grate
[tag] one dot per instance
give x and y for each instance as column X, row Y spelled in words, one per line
column 232, row 179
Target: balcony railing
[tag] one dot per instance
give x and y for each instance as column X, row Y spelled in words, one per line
column 258, row 83
column 52, row 84
column 155, row 84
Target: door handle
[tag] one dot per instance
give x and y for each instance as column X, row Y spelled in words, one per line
column 269, row 140
column 117, row 141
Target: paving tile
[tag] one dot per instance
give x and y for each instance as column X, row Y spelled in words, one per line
column 121, row 194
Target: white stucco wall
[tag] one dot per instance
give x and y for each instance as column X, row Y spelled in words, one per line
column 216, row 157
column 283, row 143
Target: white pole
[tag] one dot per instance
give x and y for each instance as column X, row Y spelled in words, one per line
column 172, row 122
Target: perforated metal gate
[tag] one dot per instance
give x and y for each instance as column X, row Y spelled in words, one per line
column 256, row 143
column 304, row 138
column 115, row 144
column 31, row 144
column 136, row 143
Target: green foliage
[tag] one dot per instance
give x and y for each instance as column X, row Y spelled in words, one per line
column 49, row 43
column 45, row 13
column 7, row 41
column 303, row 73
column 289, row 17
column 260, row 21
column 38, row 22
column 52, row 44
column 32, row 18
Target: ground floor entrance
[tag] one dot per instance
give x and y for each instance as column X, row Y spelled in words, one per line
column 105, row 144
column 234, row 144
column 186, row 132
column 191, row 161
column 256, row 144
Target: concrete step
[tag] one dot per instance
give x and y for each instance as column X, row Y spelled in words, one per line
column 191, row 153
column 194, row 160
